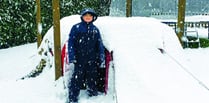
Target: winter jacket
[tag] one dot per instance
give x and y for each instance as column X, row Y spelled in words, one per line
column 85, row 44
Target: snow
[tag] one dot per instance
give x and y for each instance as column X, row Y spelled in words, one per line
column 143, row 73
column 39, row 28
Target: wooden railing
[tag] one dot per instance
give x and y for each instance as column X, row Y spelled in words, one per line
column 200, row 24
column 175, row 13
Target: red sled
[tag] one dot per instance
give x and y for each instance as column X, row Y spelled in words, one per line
column 103, row 73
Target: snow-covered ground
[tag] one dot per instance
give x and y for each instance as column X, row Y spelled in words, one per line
column 143, row 73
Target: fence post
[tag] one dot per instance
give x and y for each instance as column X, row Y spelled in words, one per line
column 128, row 8
column 181, row 19
column 208, row 29
column 38, row 22
column 57, row 44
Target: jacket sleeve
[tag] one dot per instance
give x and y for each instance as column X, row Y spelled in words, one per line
column 71, row 48
column 101, row 48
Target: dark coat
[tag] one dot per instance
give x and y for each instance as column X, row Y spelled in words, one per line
column 86, row 50
column 85, row 44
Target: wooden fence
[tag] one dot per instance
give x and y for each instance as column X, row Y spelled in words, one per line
column 175, row 13
column 200, row 24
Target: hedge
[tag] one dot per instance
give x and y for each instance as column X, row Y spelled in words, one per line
column 18, row 17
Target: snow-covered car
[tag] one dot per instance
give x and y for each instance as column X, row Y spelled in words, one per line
column 145, row 61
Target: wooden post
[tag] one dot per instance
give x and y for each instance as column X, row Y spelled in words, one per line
column 208, row 29
column 181, row 19
column 128, row 8
column 57, row 44
column 38, row 22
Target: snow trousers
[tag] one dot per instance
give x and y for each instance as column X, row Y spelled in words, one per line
column 87, row 74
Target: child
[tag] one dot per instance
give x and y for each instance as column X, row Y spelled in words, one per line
column 86, row 53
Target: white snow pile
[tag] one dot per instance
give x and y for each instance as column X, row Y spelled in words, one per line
column 143, row 73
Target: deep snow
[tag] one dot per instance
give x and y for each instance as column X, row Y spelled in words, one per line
column 143, row 73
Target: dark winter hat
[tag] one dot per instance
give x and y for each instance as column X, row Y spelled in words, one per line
column 89, row 11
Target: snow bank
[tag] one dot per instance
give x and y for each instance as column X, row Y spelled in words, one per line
column 143, row 73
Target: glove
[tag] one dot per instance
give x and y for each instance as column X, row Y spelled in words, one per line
column 72, row 61
column 70, row 66
column 102, row 65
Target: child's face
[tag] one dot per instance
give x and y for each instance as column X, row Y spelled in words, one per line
column 87, row 18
